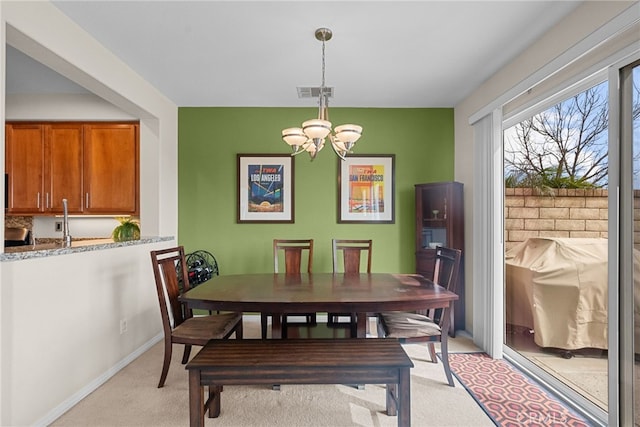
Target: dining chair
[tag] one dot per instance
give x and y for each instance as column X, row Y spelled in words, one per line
column 351, row 262
column 178, row 322
column 288, row 254
column 413, row 327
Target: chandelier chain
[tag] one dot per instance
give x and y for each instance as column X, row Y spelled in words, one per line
column 322, row 85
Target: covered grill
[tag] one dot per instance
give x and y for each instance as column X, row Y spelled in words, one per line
column 558, row 288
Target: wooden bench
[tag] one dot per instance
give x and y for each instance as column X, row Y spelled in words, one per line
column 299, row 361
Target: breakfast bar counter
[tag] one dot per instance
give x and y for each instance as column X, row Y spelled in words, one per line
column 18, row 253
column 91, row 307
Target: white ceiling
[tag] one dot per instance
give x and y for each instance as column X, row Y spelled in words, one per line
column 255, row 53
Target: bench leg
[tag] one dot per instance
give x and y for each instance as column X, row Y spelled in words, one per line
column 392, row 400
column 196, row 397
column 213, row 403
column 404, row 398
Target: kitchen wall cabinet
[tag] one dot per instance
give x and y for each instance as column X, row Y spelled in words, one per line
column 63, row 168
column 92, row 165
column 44, row 166
column 440, row 221
column 24, row 166
column 111, row 177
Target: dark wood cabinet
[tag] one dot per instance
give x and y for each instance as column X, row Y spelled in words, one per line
column 440, row 222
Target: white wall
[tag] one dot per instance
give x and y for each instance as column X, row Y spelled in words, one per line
column 57, row 107
column 61, row 327
column 578, row 26
column 60, row 316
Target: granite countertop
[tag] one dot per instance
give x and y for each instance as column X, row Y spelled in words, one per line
column 51, row 249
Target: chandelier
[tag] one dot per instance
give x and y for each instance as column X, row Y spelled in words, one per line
column 311, row 136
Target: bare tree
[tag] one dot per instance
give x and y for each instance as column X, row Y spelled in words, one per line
column 562, row 147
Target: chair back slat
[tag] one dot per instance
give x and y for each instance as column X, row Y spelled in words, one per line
column 445, row 274
column 293, row 259
column 351, row 255
column 447, row 264
column 167, row 265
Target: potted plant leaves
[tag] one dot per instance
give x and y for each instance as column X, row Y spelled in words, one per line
column 129, row 229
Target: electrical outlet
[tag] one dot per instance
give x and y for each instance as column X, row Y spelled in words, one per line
column 123, row 326
column 58, row 225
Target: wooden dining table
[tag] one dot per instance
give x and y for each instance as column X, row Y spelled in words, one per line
column 278, row 294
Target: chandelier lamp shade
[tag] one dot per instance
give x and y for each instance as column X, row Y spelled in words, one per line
column 311, row 136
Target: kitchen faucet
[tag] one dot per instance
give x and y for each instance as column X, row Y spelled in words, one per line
column 66, row 236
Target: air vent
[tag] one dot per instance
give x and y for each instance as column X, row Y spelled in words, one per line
column 313, row 92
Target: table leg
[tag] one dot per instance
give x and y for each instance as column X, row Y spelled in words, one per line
column 196, row 397
column 276, row 334
column 276, row 326
column 452, row 324
column 361, row 325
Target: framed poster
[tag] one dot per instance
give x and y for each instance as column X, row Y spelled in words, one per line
column 366, row 189
column 265, row 188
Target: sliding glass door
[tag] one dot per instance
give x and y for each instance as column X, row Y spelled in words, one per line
column 635, row 76
column 572, row 243
column 556, row 241
column 625, row 363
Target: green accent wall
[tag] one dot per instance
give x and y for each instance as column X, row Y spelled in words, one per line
column 209, row 139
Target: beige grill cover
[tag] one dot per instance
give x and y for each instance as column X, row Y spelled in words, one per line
column 558, row 288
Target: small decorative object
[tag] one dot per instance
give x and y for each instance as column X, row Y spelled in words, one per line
column 435, row 213
column 129, row 229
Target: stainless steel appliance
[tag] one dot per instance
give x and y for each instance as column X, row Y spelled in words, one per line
column 16, row 236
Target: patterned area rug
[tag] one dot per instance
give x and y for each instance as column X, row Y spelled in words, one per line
column 508, row 396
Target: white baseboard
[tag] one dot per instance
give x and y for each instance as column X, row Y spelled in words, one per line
column 73, row 400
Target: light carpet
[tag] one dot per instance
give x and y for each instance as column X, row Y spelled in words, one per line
column 131, row 398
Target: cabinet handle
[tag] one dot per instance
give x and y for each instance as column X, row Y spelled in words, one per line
column 47, row 201
column 86, row 200
column 38, row 201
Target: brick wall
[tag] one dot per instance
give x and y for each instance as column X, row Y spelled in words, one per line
column 569, row 213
